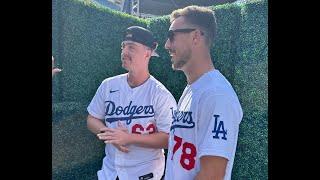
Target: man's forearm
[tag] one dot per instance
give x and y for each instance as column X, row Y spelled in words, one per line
column 212, row 168
column 94, row 124
column 156, row 140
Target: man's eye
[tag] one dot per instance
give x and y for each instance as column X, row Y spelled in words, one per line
column 128, row 47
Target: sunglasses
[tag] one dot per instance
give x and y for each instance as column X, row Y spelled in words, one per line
column 171, row 33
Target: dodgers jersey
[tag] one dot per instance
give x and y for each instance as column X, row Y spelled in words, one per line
column 145, row 109
column 206, row 122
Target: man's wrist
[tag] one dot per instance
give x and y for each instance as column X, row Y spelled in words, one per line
column 131, row 139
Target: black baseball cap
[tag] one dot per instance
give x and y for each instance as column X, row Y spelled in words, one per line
column 143, row 36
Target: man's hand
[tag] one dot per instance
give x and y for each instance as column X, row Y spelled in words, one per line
column 54, row 70
column 121, row 148
column 117, row 137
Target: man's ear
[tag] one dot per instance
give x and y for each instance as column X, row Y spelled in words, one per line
column 196, row 36
column 148, row 53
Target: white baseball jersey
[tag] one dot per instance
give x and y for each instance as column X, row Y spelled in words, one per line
column 145, row 109
column 205, row 123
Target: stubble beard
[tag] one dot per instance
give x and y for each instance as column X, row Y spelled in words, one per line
column 125, row 62
column 180, row 62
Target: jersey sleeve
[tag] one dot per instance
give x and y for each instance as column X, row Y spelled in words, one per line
column 218, row 127
column 96, row 106
column 164, row 106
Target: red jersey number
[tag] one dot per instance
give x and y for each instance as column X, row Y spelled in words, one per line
column 139, row 129
column 189, row 152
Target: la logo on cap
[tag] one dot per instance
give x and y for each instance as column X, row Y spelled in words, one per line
column 129, row 35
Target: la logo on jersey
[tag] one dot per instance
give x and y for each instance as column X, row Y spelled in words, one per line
column 219, row 128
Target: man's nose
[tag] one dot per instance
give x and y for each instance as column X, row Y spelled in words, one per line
column 168, row 44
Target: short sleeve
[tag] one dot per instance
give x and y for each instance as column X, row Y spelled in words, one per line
column 164, row 107
column 96, row 106
column 218, row 126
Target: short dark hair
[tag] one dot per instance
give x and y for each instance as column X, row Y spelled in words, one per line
column 204, row 18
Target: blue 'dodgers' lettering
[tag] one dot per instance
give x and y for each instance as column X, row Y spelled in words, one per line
column 129, row 112
column 181, row 119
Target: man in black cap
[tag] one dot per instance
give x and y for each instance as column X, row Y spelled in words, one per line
column 131, row 113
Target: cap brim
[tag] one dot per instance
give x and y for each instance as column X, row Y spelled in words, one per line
column 154, row 53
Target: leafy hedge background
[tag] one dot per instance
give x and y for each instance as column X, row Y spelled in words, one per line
column 86, row 40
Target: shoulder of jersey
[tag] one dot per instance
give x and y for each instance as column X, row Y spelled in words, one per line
column 158, row 85
column 114, row 78
column 211, row 86
column 217, row 86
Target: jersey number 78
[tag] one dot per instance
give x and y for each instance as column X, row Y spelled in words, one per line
column 189, row 152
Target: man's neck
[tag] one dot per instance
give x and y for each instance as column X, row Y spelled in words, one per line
column 199, row 67
column 136, row 79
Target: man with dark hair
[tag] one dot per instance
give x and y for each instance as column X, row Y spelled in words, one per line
column 131, row 114
column 204, row 132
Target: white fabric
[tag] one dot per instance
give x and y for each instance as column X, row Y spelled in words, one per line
column 144, row 109
column 206, row 123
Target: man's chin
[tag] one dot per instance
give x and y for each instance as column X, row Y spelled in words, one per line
column 175, row 67
column 124, row 66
